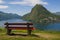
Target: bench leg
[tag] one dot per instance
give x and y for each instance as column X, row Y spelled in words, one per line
column 29, row 32
column 8, row 31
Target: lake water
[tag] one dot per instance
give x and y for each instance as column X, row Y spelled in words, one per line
column 11, row 21
column 50, row 26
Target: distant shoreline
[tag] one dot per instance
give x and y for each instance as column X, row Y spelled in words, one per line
column 9, row 19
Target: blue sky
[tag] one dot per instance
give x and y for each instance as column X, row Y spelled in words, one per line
column 22, row 7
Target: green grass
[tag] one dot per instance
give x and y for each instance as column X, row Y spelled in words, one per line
column 51, row 32
column 36, row 35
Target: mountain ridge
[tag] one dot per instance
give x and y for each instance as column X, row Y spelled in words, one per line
column 6, row 16
column 57, row 13
column 39, row 14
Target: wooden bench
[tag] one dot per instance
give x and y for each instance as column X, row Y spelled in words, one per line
column 19, row 26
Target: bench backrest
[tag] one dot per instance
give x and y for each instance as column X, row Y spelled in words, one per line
column 11, row 25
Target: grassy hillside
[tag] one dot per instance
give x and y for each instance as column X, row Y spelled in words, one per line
column 36, row 35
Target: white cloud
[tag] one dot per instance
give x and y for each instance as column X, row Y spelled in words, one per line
column 1, row 1
column 30, row 2
column 3, row 7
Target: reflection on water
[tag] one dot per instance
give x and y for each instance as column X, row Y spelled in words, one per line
column 48, row 26
column 41, row 26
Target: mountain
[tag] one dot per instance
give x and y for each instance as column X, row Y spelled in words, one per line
column 5, row 16
column 39, row 14
column 57, row 13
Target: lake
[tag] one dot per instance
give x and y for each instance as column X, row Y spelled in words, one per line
column 50, row 26
column 11, row 21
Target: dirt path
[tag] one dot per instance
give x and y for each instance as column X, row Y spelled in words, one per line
column 45, row 35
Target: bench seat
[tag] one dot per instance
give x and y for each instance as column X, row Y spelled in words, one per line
column 21, row 28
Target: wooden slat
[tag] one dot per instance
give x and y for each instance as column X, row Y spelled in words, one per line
column 18, row 23
column 21, row 28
